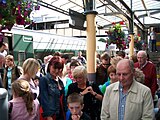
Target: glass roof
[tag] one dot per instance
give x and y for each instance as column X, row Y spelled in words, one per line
column 109, row 11
column 143, row 5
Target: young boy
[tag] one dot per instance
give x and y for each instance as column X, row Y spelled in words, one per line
column 75, row 105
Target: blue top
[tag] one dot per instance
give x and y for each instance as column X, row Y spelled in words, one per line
column 68, row 82
column 9, row 76
column 103, row 87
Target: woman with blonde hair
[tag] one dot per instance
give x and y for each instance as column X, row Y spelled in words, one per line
column 22, row 106
column 115, row 60
column 30, row 68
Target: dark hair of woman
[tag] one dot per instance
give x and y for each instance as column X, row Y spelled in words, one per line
column 56, row 62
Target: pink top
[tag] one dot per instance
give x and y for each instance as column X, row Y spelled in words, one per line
column 19, row 111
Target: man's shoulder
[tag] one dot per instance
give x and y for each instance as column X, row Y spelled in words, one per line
column 113, row 86
column 141, row 86
column 151, row 63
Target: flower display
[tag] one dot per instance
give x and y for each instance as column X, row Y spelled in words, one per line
column 15, row 11
column 116, row 36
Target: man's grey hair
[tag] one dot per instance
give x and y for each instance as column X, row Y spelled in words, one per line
column 143, row 53
column 131, row 64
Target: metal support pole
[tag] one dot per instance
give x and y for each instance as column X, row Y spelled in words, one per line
column 131, row 45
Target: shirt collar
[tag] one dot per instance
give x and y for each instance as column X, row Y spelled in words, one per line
column 141, row 67
column 133, row 87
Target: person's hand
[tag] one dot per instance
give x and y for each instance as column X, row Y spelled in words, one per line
column 49, row 118
column 87, row 90
column 75, row 117
column 90, row 89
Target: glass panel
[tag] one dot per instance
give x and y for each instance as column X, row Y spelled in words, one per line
column 102, row 8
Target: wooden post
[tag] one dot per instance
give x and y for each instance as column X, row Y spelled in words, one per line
column 91, row 47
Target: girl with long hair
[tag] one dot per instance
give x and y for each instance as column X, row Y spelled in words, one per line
column 23, row 106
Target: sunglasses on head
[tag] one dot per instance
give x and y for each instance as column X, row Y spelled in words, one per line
column 105, row 64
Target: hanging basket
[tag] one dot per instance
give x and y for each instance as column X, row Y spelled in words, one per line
column 116, row 36
column 15, row 11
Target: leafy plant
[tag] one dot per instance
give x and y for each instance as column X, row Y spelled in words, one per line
column 15, row 11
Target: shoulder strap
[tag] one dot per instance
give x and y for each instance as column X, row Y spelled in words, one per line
column 10, row 110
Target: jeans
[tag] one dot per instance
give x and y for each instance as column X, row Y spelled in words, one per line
column 9, row 94
column 153, row 46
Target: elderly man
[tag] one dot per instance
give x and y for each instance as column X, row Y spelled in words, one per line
column 127, row 99
column 149, row 71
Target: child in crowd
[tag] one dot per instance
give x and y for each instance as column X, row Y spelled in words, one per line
column 22, row 106
column 36, row 87
column 75, row 105
column 36, row 81
column 112, row 78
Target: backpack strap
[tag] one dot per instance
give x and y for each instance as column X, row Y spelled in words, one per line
column 10, row 110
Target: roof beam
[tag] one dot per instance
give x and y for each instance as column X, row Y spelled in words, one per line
column 128, row 17
column 147, row 10
column 151, row 13
column 144, row 5
column 52, row 7
column 112, row 13
column 130, row 11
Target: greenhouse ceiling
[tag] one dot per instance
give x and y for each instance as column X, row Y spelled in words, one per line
column 146, row 12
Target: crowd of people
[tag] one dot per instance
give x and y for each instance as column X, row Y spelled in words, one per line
column 58, row 88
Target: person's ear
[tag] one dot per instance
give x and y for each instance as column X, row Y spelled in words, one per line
column 68, row 106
